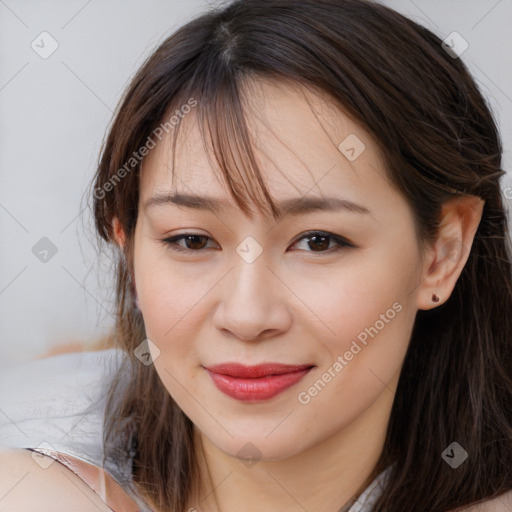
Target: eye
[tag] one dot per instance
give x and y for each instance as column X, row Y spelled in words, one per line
column 318, row 241
column 194, row 242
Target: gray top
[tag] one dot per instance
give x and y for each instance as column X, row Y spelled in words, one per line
column 57, row 403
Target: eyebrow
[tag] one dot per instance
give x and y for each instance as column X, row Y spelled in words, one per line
column 295, row 206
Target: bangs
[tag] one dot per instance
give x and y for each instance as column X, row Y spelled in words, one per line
column 221, row 113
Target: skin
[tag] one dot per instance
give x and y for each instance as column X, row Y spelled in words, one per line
column 27, row 485
column 295, row 304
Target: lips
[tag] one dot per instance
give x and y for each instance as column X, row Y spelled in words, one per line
column 256, row 383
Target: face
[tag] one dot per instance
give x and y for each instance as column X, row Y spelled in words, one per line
column 322, row 300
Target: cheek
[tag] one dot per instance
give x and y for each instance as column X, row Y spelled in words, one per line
column 361, row 298
column 369, row 310
column 173, row 299
column 169, row 303
column 171, row 307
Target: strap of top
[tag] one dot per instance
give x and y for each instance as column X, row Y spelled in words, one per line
column 103, row 484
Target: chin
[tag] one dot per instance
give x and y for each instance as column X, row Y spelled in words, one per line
column 255, row 443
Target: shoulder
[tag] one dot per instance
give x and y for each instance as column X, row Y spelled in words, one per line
column 502, row 503
column 31, row 482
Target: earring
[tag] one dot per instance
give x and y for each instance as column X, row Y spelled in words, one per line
column 435, row 298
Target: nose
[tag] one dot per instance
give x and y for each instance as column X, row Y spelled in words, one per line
column 253, row 302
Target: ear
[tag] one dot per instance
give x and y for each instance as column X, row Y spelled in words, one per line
column 446, row 258
column 118, row 232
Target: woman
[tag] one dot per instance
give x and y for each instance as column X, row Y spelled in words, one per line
column 371, row 375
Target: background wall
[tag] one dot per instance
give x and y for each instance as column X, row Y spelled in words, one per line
column 63, row 67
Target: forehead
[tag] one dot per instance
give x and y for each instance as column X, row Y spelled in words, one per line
column 301, row 140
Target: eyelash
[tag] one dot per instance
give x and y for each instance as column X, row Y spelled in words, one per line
column 171, row 242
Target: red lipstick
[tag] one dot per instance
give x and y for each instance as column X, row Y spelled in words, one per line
column 256, row 383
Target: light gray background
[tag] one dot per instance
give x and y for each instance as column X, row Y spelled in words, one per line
column 55, row 112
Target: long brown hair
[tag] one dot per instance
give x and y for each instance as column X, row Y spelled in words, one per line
column 439, row 140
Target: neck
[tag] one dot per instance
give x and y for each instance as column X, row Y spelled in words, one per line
column 325, row 477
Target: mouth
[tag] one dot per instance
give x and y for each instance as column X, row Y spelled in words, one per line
column 256, row 383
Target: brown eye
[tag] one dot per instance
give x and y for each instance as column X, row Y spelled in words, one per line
column 319, row 241
column 193, row 242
